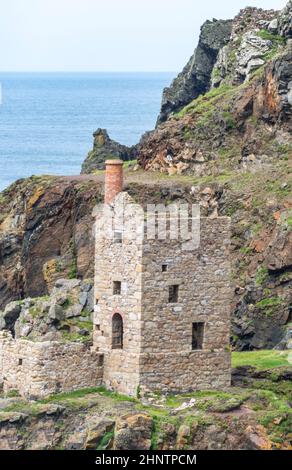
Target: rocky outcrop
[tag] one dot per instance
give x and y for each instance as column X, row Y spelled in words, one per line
column 64, row 315
column 95, row 419
column 133, row 432
column 195, row 79
column 103, row 149
column 45, row 233
column 284, row 24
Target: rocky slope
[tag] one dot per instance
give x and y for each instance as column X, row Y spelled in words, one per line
column 195, row 79
column 254, row 414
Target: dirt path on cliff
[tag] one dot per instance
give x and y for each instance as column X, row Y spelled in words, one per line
column 135, row 177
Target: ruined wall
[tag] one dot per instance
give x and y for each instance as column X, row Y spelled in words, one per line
column 38, row 369
column 203, row 276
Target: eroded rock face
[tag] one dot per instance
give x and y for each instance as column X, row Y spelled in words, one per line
column 46, row 232
column 251, row 54
column 133, row 432
column 195, row 79
column 104, row 148
column 65, row 314
column 285, row 21
column 251, row 82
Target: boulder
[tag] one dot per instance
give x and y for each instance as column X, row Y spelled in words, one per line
column 273, row 26
column 73, row 311
column 133, row 432
column 97, row 431
column 67, row 284
column 9, row 316
column 56, row 313
column 83, row 299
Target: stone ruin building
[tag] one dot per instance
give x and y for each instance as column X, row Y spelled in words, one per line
column 161, row 316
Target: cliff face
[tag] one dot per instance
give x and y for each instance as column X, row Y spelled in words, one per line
column 251, row 90
column 45, row 234
column 195, row 79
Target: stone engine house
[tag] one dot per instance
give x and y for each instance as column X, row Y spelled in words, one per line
column 162, row 315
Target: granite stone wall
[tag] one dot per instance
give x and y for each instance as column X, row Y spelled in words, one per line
column 38, row 369
column 157, row 351
column 204, row 294
column 120, row 262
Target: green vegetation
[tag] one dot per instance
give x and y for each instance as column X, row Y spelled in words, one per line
column 262, row 276
column 76, row 337
column 70, row 395
column 105, row 440
column 260, row 359
column 116, row 396
column 216, row 73
column 283, row 149
column 205, row 103
column 12, row 394
column 229, row 120
column 246, row 250
column 34, row 311
column 269, row 305
column 73, row 269
column 130, row 163
column 277, row 188
column 268, row 36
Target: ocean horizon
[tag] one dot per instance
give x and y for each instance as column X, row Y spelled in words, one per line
column 47, row 118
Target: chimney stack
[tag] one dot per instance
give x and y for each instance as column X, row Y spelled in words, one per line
column 113, row 179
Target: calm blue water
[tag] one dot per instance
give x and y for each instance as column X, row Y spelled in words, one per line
column 47, row 119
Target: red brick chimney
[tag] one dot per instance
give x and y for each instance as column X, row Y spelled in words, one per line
column 113, row 179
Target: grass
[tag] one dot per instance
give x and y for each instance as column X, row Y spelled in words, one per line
column 262, row 274
column 268, row 36
column 105, row 440
column 73, row 270
column 261, row 359
column 268, row 305
column 130, row 163
column 70, row 395
column 116, row 396
column 205, row 103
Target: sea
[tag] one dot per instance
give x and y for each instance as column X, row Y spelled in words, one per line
column 47, row 119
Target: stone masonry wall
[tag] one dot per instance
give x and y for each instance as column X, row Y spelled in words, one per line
column 118, row 262
column 157, row 348
column 185, row 372
column 37, row 369
column 203, row 276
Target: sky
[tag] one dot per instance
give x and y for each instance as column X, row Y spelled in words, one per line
column 107, row 35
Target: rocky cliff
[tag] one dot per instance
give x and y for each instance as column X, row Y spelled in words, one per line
column 228, row 149
column 103, row 149
column 195, row 79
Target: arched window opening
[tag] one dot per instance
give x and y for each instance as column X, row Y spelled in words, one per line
column 117, row 331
